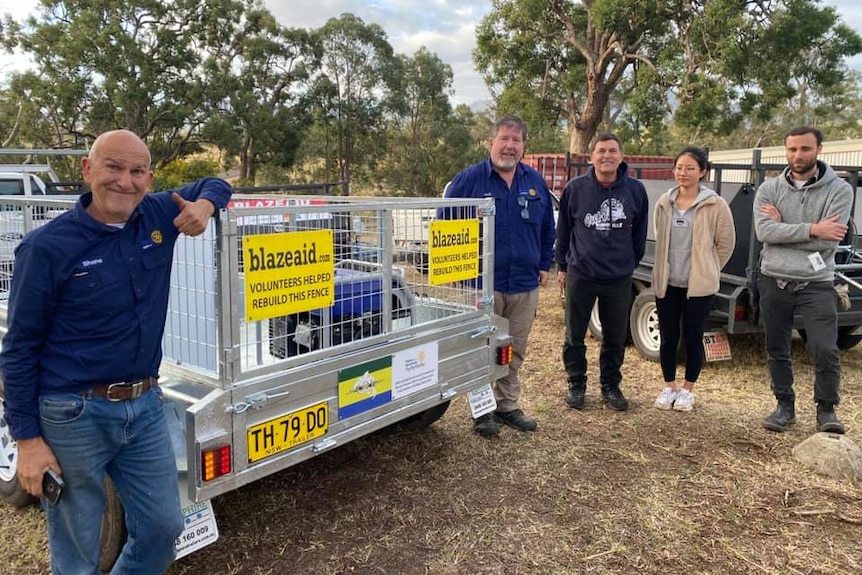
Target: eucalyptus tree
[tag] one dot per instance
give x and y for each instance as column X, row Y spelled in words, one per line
column 744, row 64
column 354, row 92
column 545, row 132
column 709, row 64
column 418, row 142
column 257, row 115
column 22, row 125
column 134, row 64
column 569, row 55
column 835, row 112
column 466, row 143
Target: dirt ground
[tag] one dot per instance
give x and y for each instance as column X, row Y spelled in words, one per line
column 593, row 491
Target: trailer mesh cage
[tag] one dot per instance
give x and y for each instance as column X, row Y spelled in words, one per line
column 276, row 278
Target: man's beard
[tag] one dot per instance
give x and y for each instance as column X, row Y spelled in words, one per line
column 805, row 169
column 506, row 164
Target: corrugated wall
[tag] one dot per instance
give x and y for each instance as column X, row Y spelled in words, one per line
column 845, row 153
column 836, row 153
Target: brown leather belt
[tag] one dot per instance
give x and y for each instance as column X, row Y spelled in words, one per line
column 124, row 390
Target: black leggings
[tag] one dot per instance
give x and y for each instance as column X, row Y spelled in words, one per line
column 675, row 310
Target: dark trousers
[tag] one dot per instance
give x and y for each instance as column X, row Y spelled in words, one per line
column 614, row 299
column 675, row 311
column 818, row 304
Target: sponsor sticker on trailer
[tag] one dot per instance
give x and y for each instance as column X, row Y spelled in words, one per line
column 481, row 400
column 414, row 369
column 365, row 386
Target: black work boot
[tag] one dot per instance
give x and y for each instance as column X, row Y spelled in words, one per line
column 827, row 421
column 784, row 415
column 614, row 398
column 576, row 394
column 516, row 419
column 486, row 425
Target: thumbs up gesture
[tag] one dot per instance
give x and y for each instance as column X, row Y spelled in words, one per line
column 194, row 216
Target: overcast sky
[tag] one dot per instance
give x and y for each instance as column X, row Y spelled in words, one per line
column 445, row 27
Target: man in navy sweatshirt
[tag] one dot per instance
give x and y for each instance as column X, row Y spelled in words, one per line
column 601, row 235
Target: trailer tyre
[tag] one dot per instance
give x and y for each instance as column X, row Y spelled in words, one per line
column 643, row 322
column 113, row 528
column 846, row 338
column 10, row 490
column 424, row 418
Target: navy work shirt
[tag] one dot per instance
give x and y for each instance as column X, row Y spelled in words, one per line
column 88, row 301
column 524, row 222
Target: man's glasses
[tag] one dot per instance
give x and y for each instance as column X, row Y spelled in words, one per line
column 525, row 211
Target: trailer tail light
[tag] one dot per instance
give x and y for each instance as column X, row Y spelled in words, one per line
column 215, row 462
column 505, row 353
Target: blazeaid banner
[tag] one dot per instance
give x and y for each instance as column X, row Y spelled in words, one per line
column 453, row 250
column 364, row 387
column 288, row 273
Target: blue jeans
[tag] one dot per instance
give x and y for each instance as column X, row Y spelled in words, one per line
column 614, row 299
column 129, row 441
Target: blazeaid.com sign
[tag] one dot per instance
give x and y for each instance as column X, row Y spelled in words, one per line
column 453, row 250
column 288, row 273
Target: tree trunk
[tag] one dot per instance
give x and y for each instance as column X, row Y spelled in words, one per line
column 244, row 159
column 585, row 127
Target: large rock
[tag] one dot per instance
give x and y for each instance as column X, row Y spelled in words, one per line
column 830, row 454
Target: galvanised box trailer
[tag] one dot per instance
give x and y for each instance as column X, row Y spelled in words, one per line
column 284, row 341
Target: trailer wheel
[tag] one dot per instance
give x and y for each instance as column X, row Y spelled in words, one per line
column 113, row 528
column 424, row 418
column 644, row 325
column 10, row 490
column 846, row 338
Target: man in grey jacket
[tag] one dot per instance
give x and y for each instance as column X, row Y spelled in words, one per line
column 800, row 217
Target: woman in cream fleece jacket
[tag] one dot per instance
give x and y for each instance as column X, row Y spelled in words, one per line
column 694, row 239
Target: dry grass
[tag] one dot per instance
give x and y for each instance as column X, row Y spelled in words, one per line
column 708, row 492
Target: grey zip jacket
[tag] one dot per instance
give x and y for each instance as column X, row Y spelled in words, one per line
column 788, row 244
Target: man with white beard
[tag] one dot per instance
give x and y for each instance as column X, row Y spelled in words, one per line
column 523, row 250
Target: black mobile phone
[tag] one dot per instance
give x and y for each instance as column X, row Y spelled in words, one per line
column 52, row 486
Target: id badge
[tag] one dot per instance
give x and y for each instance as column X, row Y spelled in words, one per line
column 817, row 261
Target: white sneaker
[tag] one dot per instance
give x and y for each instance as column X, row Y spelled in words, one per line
column 666, row 398
column 684, row 401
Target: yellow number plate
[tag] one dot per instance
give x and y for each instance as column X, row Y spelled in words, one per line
column 285, row 432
